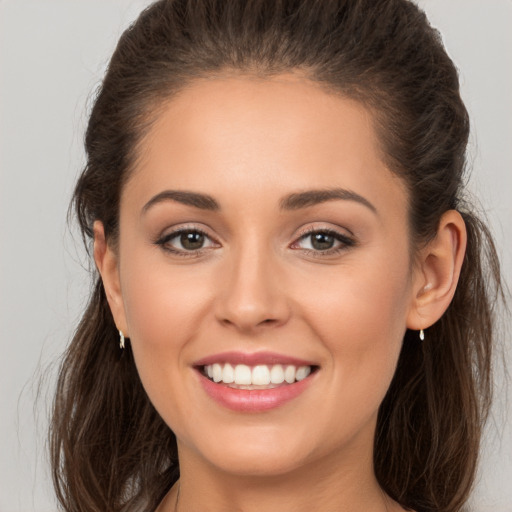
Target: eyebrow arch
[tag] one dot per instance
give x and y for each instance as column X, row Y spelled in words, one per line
column 295, row 201
column 201, row 201
column 313, row 197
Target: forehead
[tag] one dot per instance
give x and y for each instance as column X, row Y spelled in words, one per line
column 254, row 137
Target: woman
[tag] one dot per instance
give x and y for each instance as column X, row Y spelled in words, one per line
column 294, row 303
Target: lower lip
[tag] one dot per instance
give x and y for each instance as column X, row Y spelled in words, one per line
column 253, row 400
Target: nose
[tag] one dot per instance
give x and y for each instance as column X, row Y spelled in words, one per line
column 251, row 293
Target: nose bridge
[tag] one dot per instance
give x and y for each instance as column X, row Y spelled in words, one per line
column 250, row 291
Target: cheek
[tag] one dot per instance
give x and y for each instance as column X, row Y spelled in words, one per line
column 162, row 303
column 367, row 296
column 164, row 310
column 361, row 319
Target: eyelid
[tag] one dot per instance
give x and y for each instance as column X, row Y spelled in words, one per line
column 325, row 229
column 345, row 241
column 163, row 239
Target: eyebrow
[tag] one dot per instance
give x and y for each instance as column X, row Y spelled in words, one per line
column 195, row 199
column 312, row 197
column 295, row 201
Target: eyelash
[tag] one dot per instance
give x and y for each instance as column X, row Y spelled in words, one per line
column 346, row 242
column 164, row 240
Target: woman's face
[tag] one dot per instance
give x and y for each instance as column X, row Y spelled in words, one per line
column 262, row 238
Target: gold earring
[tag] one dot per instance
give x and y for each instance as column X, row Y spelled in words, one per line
column 422, row 334
column 121, row 340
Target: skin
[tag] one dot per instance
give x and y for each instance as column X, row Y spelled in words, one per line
column 259, row 284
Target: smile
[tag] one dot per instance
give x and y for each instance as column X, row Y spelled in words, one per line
column 242, row 376
column 254, row 382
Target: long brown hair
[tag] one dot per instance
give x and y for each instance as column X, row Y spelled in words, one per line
column 110, row 449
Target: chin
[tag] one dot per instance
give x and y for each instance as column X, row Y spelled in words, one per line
column 260, row 461
column 271, row 450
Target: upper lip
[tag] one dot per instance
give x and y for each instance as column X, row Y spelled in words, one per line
column 252, row 359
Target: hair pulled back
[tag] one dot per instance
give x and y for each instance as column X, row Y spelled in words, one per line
column 110, row 449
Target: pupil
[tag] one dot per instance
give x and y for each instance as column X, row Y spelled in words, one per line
column 192, row 240
column 322, row 241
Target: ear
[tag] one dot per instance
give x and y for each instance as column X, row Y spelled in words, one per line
column 107, row 263
column 437, row 272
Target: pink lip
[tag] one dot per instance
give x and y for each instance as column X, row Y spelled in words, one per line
column 252, row 359
column 253, row 400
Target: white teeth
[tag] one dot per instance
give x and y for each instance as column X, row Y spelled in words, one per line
column 228, row 374
column 277, row 374
column 259, row 375
column 217, row 372
column 243, row 374
column 302, row 372
column 289, row 374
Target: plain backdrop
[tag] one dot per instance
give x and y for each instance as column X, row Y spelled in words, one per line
column 52, row 55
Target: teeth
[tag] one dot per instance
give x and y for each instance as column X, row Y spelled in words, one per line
column 217, row 373
column 260, row 375
column 277, row 374
column 302, row 372
column 228, row 374
column 242, row 374
column 289, row 374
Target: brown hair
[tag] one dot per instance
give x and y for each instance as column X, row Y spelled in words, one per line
column 110, row 449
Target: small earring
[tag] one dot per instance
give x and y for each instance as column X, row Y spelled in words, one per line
column 121, row 340
column 422, row 335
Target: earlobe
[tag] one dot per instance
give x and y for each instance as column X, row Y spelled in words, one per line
column 107, row 264
column 437, row 272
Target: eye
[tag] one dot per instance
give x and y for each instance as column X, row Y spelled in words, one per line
column 186, row 242
column 323, row 242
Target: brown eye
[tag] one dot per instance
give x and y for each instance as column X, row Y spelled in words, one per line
column 192, row 240
column 186, row 242
column 322, row 241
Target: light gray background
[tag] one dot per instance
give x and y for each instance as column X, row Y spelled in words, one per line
column 52, row 55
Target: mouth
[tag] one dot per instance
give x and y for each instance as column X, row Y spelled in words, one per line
column 261, row 376
column 254, row 382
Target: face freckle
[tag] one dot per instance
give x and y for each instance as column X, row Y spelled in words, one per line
column 217, row 258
